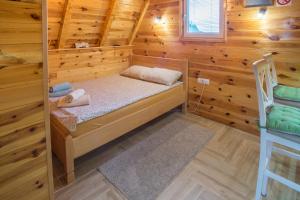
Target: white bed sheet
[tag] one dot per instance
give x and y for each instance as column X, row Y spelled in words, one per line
column 107, row 94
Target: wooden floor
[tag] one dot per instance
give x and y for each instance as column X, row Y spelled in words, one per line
column 225, row 169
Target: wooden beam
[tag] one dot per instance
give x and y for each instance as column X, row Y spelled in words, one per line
column 109, row 19
column 66, row 18
column 139, row 22
column 46, row 98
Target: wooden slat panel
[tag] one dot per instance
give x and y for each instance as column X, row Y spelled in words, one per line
column 98, row 22
column 66, row 17
column 231, row 97
column 85, row 22
column 126, row 17
column 24, row 161
column 139, row 22
column 83, row 64
column 109, row 19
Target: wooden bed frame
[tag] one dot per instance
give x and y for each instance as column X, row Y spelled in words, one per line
column 99, row 131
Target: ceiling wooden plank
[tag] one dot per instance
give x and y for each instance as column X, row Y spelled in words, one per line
column 66, row 18
column 139, row 22
column 108, row 22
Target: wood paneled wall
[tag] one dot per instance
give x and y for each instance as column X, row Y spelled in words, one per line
column 25, row 154
column 125, row 17
column 231, row 96
column 107, row 25
column 84, row 64
column 89, row 21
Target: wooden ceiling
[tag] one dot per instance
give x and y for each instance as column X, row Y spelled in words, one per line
column 97, row 22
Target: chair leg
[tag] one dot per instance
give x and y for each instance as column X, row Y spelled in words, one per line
column 268, row 159
column 262, row 166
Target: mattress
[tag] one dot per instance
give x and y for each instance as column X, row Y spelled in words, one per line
column 107, row 95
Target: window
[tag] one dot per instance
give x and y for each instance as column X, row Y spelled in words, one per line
column 203, row 20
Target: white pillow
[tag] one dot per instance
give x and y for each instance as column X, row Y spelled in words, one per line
column 156, row 74
column 137, row 72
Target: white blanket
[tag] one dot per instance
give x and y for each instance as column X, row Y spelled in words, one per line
column 109, row 94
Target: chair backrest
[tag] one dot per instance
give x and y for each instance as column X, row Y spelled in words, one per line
column 268, row 57
column 264, row 88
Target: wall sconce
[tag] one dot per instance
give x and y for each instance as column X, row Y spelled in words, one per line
column 161, row 22
column 157, row 20
column 262, row 13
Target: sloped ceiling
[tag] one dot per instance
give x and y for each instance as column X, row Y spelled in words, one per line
column 98, row 22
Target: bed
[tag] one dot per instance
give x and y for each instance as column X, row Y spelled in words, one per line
column 103, row 122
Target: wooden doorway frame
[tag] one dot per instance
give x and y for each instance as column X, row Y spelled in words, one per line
column 46, row 101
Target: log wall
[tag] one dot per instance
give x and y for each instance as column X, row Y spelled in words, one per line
column 231, row 96
column 73, row 21
column 25, row 152
column 83, row 64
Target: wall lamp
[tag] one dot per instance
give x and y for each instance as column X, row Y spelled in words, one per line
column 262, row 13
column 158, row 20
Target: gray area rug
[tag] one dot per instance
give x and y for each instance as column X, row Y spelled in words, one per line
column 145, row 169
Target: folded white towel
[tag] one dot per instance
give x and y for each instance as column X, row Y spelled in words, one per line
column 73, row 96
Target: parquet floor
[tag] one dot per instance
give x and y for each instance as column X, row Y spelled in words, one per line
column 225, row 169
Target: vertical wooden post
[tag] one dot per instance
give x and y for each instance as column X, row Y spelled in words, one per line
column 46, row 104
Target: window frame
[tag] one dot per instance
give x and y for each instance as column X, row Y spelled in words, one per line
column 186, row 36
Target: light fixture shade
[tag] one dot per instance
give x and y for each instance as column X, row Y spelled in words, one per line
column 157, row 20
column 254, row 3
column 262, row 13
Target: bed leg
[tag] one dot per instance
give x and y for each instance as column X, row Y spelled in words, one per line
column 184, row 108
column 69, row 160
column 62, row 147
column 70, row 177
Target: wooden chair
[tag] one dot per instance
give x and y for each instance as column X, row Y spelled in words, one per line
column 270, row 137
column 274, row 81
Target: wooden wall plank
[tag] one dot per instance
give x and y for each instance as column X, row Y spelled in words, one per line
column 139, row 22
column 25, row 168
column 83, row 64
column 64, row 25
column 228, row 64
column 126, row 17
column 231, row 96
column 108, row 22
column 88, row 20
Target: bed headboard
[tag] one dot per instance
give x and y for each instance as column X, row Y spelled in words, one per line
column 169, row 63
